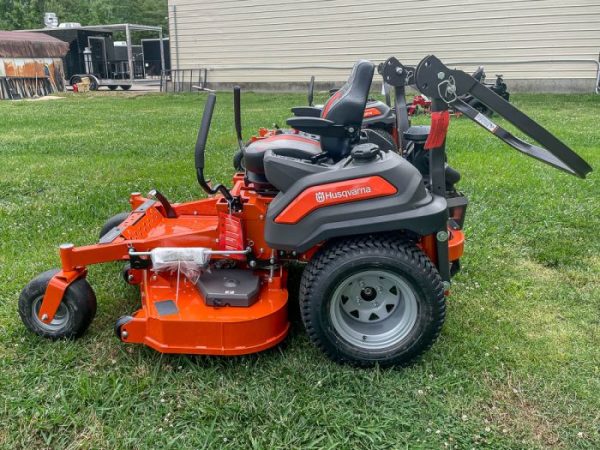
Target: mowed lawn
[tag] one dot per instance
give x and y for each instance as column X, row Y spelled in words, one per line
column 517, row 364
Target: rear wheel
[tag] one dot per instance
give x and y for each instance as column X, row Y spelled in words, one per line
column 112, row 87
column 125, row 87
column 372, row 300
column 75, row 312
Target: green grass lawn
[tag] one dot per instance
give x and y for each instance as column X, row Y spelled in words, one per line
column 517, row 364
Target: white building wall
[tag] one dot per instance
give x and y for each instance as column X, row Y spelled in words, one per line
column 283, row 41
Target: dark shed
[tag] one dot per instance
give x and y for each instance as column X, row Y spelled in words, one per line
column 31, row 45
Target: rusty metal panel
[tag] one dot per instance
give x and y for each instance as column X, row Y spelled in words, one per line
column 25, row 68
column 29, row 77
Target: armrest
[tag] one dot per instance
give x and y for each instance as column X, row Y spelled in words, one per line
column 317, row 125
column 306, row 111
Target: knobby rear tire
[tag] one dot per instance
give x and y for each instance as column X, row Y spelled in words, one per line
column 345, row 258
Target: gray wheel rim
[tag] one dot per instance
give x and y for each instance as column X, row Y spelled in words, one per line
column 61, row 318
column 374, row 309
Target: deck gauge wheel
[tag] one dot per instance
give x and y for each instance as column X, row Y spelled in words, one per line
column 75, row 312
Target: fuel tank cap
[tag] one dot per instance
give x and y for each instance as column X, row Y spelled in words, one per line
column 365, row 152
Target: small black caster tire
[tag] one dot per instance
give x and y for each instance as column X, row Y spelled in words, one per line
column 238, row 161
column 125, row 273
column 125, row 87
column 112, row 222
column 74, row 315
column 119, row 324
column 112, row 87
column 372, row 300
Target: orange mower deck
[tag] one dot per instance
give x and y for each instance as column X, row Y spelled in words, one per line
column 176, row 319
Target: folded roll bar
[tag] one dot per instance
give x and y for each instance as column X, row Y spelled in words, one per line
column 443, row 84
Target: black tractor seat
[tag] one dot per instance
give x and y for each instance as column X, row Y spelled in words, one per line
column 337, row 128
column 300, row 146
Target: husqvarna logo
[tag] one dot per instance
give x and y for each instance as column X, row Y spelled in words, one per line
column 322, row 197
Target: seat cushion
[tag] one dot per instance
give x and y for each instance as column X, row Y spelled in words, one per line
column 292, row 145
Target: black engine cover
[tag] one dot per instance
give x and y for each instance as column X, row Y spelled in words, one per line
column 412, row 207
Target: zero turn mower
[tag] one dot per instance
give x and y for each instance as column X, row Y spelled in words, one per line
column 380, row 237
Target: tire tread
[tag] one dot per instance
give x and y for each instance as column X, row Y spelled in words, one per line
column 79, row 295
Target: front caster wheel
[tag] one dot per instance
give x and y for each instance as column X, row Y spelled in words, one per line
column 121, row 335
column 74, row 315
column 126, row 273
column 372, row 300
column 131, row 276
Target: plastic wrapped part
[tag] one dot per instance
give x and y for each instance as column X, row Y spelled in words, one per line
column 188, row 260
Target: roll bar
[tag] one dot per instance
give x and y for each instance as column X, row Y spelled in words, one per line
column 448, row 86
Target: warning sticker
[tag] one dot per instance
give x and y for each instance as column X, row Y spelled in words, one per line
column 485, row 122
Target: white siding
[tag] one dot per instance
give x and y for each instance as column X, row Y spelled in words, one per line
column 285, row 34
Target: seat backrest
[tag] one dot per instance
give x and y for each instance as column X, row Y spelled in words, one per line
column 346, row 107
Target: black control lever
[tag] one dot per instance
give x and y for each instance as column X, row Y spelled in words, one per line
column 237, row 113
column 199, row 151
column 436, row 80
column 311, row 90
column 169, row 211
